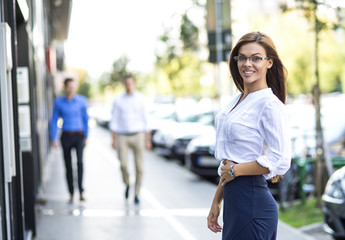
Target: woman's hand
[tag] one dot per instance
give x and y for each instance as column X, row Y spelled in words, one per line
column 225, row 176
column 212, row 219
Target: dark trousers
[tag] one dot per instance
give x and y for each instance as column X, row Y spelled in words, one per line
column 68, row 142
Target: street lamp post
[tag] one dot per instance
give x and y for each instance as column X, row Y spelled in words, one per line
column 219, row 44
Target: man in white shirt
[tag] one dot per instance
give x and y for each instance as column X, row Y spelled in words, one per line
column 130, row 130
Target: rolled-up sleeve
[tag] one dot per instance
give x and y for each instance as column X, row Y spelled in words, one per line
column 274, row 127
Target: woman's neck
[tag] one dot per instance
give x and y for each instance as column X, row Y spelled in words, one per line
column 253, row 88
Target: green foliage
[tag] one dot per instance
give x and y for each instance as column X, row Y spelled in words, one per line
column 85, row 89
column 294, row 39
column 182, row 74
column 300, row 214
column 103, row 82
column 189, row 34
column 178, row 70
column 331, row 59
column 114, row 78
column 294, row 48
column 315, row 12
column 170, row 50
column 119, row 70
column 84, row 86
column 326, row 49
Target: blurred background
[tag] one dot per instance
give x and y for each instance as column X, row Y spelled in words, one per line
column 178, row 52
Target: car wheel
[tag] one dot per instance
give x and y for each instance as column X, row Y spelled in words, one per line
column 188, row 162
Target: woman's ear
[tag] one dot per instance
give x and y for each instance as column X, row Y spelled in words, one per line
column 270, row 63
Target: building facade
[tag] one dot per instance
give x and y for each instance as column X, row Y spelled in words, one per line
column 29, row 31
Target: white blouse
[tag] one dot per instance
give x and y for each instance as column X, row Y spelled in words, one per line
column 257, row 129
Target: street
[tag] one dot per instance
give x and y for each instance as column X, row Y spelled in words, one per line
column 174, row 202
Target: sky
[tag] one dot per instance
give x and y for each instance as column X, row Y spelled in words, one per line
column 102, row 31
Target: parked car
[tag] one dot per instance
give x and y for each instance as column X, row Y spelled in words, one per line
column 161, row 116
column 172, row 141
column 333, row 201
column 101, row 113
column 202, row 124
column 199, row 155
column 163, row 139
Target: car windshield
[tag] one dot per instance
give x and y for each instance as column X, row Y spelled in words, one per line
column 206, row 118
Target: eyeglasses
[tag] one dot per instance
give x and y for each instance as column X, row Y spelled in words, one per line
column 255, row 59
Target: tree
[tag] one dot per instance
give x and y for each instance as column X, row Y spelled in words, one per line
column 84, row 86
column 85, row 89
column 293, row 37
column 189, row 34
column 114, row 78
column 311, row 9
column 180, row 62
column 119, row 70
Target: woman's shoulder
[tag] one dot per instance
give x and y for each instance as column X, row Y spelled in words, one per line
column 272, row 106
column 276, row 102
column 269, row 99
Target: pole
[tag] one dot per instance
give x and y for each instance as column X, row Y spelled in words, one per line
column 321, row 174
column 219, row 44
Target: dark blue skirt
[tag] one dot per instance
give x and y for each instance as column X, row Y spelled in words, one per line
column 250, row 212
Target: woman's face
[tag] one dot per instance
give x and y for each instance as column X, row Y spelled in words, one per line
column 252, row 72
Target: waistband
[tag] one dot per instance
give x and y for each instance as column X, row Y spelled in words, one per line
column 72, row 132
column 129, row 134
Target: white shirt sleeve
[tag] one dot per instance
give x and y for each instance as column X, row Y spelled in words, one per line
column 113, row 123
column 274, row 127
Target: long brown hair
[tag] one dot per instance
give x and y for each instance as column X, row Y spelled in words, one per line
column 276, row 75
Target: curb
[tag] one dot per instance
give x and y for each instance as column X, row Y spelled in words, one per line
column 297, row 232
column 311, row 228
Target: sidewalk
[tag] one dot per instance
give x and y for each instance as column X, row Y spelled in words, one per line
column 286, row 232
column 173, row 208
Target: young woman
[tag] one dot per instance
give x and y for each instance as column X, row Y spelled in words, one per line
column 253, row 142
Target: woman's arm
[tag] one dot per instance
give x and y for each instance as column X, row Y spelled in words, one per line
column 212, row 219
column 242, row 169
column 250, row 168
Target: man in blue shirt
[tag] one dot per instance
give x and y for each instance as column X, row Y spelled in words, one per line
column 72, row 108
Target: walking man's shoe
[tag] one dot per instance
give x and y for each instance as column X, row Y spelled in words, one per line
column 81, row 198
column 70, row 200
column 127, row 192
column 136, row 199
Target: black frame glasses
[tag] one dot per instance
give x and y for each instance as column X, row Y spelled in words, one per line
column 254, row 59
